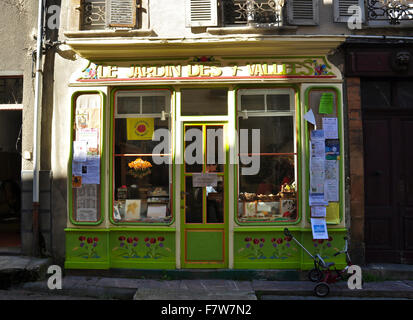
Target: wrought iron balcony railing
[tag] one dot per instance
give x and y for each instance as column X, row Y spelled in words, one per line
column 393, row 11
column 93, row 15
column 238, row 12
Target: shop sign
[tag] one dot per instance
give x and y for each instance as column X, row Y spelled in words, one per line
column 211, row 68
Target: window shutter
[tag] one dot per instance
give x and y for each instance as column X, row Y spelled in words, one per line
column 302, row 12
column 201, row 13
column 121, row 13
column 341, row 9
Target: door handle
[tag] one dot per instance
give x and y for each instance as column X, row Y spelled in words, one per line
column 183, row 194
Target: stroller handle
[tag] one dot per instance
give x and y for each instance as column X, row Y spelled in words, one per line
column 287, row 232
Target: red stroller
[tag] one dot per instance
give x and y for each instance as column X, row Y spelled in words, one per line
column 322, row 272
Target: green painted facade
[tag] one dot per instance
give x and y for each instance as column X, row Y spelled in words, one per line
column 108, row 244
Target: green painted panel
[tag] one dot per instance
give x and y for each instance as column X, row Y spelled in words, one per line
column 87, row 249
column 325, row 248
column 272, row 250
column 134, row 249
column 204, row 245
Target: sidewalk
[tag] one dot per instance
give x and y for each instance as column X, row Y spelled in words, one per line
column 138, row 289
column 27, row 275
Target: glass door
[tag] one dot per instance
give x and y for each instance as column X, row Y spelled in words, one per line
column 204, row 196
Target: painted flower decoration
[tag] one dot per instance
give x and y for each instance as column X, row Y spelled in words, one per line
column 320, row 69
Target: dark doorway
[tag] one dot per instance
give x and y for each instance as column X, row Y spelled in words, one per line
column 388, row 170
column 10, row 181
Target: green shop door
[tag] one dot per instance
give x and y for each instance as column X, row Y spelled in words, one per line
column 204, row 196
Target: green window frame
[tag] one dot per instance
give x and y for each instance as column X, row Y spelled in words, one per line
column 100, row 203
column 294, row 111
column 165, row 115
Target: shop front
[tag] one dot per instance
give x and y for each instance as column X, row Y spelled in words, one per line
column 202, row 162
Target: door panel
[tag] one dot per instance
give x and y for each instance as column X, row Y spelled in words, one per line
column 204, row 211
column 388, row 171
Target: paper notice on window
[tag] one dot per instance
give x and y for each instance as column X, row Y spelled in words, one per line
column 331, row 190
column 156, row 211
column 77, row 168
column 317, row 199
column 91, row 171
column 309, row 116
column 90, row 137
column 319, row 211
column 204, row 180
column 87, row 203
column 317, row 172
column 331, row 170
column 330, row 128
column 317, row 135
column 319, row 228
column 79, row 151
column 318, row 148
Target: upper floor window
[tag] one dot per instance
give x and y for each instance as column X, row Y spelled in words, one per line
column 107, row 14
column 268, row 13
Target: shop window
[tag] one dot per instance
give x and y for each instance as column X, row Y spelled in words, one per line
column 270, row 194
column 141, row 160
column 86, row 159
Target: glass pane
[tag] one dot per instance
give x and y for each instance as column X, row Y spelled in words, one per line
column 193, row 154
column 193, row 202
column 252, row 103
column 405, row 94
column 11, row 90
column 276, row 133
column 215, row 149
column 204, row 102
column 376, row 94
column 154, row 104
column 215, row 202
column 141, row 190
column 278, row 102
column 125, row 146
column 271, row 194
column 129, row 105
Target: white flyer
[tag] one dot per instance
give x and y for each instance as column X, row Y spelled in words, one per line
column 330, row 128
column 331, row 170
column 319, row 228
column 331, row 190
column 79, row 151
column 318, row 212
column 317, row 199
column 204, row 180
column 86, row 203
column 317, row 172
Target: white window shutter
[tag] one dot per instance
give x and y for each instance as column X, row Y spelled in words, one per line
column 341, row 13
column 303, row 12
column 121, row 13
column 201, row 13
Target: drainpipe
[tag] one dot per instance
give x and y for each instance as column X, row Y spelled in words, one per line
column 37, row 130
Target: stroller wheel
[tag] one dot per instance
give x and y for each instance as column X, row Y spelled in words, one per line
column 322, row 289
column 315, row 275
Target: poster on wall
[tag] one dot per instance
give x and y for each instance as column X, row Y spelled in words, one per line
column 86, row 203
column 319, row 228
